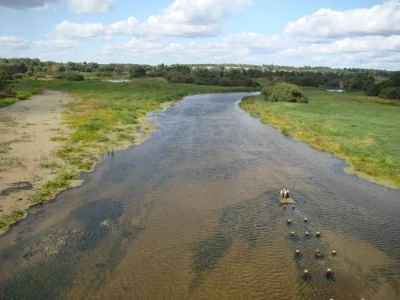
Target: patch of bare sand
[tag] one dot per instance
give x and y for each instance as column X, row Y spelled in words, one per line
column 26, row 159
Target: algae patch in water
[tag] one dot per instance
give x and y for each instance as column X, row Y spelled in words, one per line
column 94, row 214
column 249, row 222
column 107, row 223
column 52, row 261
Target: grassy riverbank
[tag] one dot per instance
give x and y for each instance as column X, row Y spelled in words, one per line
column 106, row 116
column 362, row 130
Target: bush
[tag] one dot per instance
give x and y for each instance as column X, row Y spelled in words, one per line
column 75, row 77
column 7, row 101
column 23, row 96
column 284, row 92
column 390, row 93
column 372, row 90
column 69, row 76
column 102, row 74
column 225, row 81
column 40, row 75
column 18, row 76
column 59, row 76
column 332, row 84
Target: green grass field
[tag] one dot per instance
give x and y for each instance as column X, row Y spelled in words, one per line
column 362, row 130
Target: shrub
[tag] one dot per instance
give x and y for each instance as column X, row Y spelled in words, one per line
column 390, row 93
column 59, row 76
column 372, row 90
column 23, row 96
column 102, row 74
column 7, row 101
column 284, row 92
column 75, row 77
column 40, row 74
column 333, row 84
column 69, row 76
column 18, row 76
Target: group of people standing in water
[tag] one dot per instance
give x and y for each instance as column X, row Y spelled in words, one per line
column 284, row 193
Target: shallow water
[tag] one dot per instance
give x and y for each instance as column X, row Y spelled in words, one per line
column 193, row 213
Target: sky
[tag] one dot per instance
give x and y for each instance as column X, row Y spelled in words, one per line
column 333, row 33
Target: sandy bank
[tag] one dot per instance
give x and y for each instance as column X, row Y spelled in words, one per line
column 31, row 131
column 26, row 157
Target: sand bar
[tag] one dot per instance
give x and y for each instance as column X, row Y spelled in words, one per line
column 26, row 148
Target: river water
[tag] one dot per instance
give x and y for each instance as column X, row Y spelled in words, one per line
column 193, row 213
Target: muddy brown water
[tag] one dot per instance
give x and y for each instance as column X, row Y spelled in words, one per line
column 193, row 213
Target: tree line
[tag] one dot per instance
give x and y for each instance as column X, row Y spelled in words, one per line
column 380, row 83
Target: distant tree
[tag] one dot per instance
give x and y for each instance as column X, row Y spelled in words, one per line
column 38, row 69
column 372, row 90
column 118, row 70
column 333, row 83
column 357, row 81
column 390, row 93
column 75, row 77
column 379, row 89
column 70, row 76
column 138, row 71
column 3, row 79
column 71, row 66
column 395, row 78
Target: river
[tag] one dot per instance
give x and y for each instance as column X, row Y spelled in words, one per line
column 193, row 213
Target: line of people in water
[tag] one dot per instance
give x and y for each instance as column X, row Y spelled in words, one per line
column 284, row 193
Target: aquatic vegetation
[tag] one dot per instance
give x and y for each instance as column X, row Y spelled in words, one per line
column 51, row 187
column 14, row 216
column 247, row 222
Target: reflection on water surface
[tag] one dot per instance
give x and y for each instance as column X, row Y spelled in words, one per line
column 193, row 213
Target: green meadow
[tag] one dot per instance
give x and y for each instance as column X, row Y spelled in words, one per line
column 362, row 130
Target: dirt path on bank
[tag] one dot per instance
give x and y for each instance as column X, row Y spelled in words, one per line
column 26, row 148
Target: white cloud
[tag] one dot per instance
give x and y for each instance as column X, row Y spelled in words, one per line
column 55, row 44
column 274, row 43
column 135, row 45
column 131, row 26
column 14, row 46
column 381, row 19
column 25, row 4
column 375, row 44
column 74, row 30
column 91, row 6
column 383, row 52
column 14, row 42
column 183, row 18
column 258, row 42
column 192, row 18
column 201, row 12
column 327, row 37
column 11, row 46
